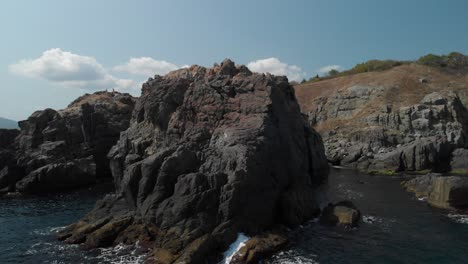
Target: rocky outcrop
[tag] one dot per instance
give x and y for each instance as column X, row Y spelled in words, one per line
column 209, row 153
column 413, row 138
column 60, row 150
column 260, row 247
column 459, row 161
column 448, row 192
column 8, row 168
column 389, row 122
column 7, row 138
column 343, row 213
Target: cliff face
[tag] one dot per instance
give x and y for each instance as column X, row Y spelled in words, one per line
column 409, row 118
column 7, row 155
column 59, row 150
column 209, row 153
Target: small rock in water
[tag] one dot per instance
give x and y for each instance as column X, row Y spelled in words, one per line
column 343, row 213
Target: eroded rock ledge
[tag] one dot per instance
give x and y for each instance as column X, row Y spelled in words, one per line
column 209, row 153
column 447, row 192
column 65, row 149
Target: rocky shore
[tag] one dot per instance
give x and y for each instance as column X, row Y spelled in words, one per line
column 60, row 150
column 210, row 153
column 446, row 192
column 392, row 121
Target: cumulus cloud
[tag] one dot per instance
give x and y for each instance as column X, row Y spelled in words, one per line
column 276, row 67
column 326, row 69
column 70, row 70
column 146, row 66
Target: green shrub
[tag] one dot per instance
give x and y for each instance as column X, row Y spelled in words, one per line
column 453, row 60
column 432, row 60
column 373, row 66
column 333, row 72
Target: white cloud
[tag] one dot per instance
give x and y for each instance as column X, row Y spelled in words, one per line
column 326, row 69
column 70, row 70
column 276, row 67
column 146, row 66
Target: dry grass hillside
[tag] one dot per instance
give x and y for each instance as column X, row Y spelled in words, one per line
column 402, row 86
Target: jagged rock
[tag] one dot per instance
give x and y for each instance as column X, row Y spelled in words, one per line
column 211, row 153
column 7, row 154
column 459, row 160
column 421, row 186
column 9, row 175
column 434, row 98
column 449, row 192
column 343, row 213
column 7, row 137
column 59, row 176
column 60, row 150
column 409, row 138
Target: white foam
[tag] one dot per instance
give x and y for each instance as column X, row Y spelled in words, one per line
column 369, row 219
column 48, row 231
column 459, row 218
column 338, row 167
column 422, row 199
column 234, row 247
column 288, row 257
column 122, row 254
column 385, row 223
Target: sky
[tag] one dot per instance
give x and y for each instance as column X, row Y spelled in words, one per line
column 52, row 51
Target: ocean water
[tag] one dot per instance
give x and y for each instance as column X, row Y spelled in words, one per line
column 28, row 228
column 396, row 228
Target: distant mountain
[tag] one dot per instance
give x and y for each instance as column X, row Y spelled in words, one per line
column 7, row 123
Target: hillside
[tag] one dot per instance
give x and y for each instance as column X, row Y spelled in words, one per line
column 410, row 117
column 7, row 123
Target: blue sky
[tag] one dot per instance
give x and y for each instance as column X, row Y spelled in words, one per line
column 53, row 51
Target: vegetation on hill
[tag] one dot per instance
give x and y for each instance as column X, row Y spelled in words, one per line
column 454, row 60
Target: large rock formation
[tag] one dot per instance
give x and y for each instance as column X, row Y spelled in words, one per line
column 389, row 121
column 209, row 153
column 59, row 150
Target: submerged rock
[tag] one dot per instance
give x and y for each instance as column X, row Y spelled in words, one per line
column 210, row 153
column 343, row 213
column 61, row 150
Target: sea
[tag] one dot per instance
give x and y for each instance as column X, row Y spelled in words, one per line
column 396, row 228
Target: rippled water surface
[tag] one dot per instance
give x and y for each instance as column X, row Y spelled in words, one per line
column 396, row 228
column 28, row 228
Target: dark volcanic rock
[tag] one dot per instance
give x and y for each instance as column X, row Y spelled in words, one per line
column 7, row 154
column 209, row 153
column 60, row 150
